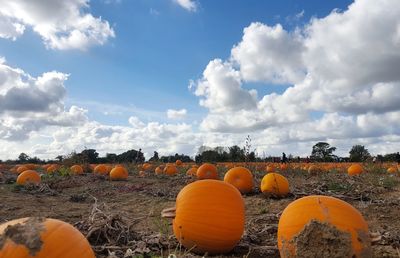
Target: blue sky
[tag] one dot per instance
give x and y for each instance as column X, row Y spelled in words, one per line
column 120, row 65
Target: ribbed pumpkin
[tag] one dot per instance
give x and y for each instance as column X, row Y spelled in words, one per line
column 209, row 217
column 178, row 162
column 354, row 169
column 101, row 169
column 207, row 171
column 118, row 173
column 42, row 238
column 76, row 170
column 241, row 178
column 332, row 225
column 52, row 168
column 28, row 177
column 170, row 170
column 21, row 169
column 274, row 184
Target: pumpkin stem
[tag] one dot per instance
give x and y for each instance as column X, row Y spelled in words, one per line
column 169, row 213
column 375, row 237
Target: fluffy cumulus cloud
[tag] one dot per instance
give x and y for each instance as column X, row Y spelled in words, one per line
column 62, row 24
column 344, row 66
column 176, row 114
column 189, row 5
column 29, row 104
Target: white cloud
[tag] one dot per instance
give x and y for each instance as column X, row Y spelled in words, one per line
column 62, row 24
column 189, row 5
column 176, row 114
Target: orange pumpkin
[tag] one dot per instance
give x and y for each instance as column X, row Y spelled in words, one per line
column 52, row 168
column 101, row 169
column 28, row 177
column 42, row 238
column 119, row 173
column 191, row 171
column 76, row 170
column 158, row 170
column 170, row 170
column 207, row 171
column 241, row 178
column 274, row 184
column 270, row 169
column 178, row 162
column 331, row 224
column 354, row 169
column 209, row 217
column 146, row 166
column 142, row 173
column 313, row 170
column 21, row 169
column 392, row 170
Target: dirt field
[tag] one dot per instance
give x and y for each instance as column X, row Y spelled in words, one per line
column 122, row 219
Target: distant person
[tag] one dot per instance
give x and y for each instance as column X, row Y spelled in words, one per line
column 284, row 158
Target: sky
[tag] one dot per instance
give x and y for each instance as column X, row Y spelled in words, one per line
column 173, row 75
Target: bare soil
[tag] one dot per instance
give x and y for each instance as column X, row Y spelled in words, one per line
column 122, row 218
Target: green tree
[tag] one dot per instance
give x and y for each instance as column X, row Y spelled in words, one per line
column 23, row 158
column 359, row 153
column 322, row 151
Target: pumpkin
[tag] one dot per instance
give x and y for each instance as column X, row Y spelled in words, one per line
column 207, row 171
column 209, row 217
column 119, row 173
column 31, row 166
column 42, row 238
column 354, row 169
column 52, row 168
column 191, row 171
column 313, row 170
column 178, row 162
column 158, row 170
column 21, row 169
column 101, row 169
column 274, row 184
column 170, row 170
column 392, row 170
column 241, row 178
column 146, row 166
column 76, row 170
column 28, row 177
column 322, row 226
column 284, row 166
column 270, row 169
column 142, row 173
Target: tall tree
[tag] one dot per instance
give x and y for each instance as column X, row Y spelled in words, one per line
column 22, row 158
column 359, row 153
column 322, row 151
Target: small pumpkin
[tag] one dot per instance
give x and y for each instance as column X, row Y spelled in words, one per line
column 158, row 170
column 76, row 170
column 142, row 173
column 52, row 168
column 207, row 171
column 191, row 171
column 392, row 170
column 241, row 178
column 270, row 169
column 42, row 238
column 28, row 177
column 313, row 170
column 170, row 170
column 209, row 217
column 119, row 173
column 101, row 169
column 21, row 169
column 354, row 169
column 274, row 184
column 178, row 162
column 335, row 228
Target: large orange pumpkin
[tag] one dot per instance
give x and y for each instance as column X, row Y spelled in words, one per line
column 28, row 177
column 274, row 184
column 76, row 170
column 322, row 226
column 209, row 217
column 354, row 169
column 207, row 171
column 118, row 173
column 241, row 178
column 42, row 238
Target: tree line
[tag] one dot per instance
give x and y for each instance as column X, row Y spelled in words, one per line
column 321, row 152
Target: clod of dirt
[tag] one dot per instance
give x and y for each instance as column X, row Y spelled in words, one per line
column 26, row 234
column 319, row 239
